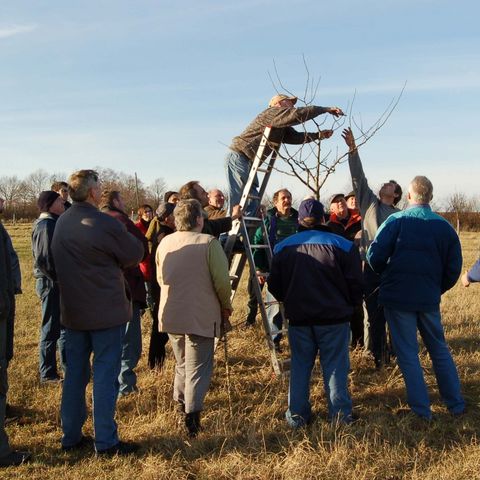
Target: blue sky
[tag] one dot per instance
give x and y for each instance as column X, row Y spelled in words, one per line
column 161, row 87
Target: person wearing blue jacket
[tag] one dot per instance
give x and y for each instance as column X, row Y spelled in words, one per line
column 318, row 277
column 418, row 255
column 472, row 276
column 52, row 333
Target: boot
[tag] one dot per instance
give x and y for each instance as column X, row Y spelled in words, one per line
column 192, row 422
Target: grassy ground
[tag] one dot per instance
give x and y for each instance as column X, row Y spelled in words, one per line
column 253, row 440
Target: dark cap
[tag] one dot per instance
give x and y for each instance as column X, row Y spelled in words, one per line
column 46, row 199
column 351, row 194
column 312, row 211
column 168, row 194
column 335, row 197
column 164, row 210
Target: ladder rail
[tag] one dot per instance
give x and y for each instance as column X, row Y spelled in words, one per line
column 240, row 228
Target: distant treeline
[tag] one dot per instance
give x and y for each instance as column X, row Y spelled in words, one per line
column 464, row 221
column 21, row 194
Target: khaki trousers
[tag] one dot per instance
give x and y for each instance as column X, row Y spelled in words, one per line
column 193, row 369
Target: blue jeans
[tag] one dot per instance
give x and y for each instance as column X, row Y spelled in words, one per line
column 376, row 317
column 331, row 342
column 403, row 326
column 131, row 352
column 52, row 333
column 238, row 168
column 106, row 346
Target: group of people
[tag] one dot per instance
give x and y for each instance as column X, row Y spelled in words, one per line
column 96, row 271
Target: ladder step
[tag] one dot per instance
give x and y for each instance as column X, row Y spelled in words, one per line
column 260, row 246
column 255, row 197
column 252, row 219
column 273, row 302
column 264, row 170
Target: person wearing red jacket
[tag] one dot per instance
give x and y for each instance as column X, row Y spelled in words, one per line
column 347, row 223
column 145, row 216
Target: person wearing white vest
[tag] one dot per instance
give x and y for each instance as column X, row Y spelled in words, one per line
column 192, row 271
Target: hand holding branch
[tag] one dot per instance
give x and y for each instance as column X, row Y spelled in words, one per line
column 325, row 134
column 335, row 111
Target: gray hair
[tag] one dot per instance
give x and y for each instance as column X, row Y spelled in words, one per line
column 421, row 190
column 186, row 213
column 80, row 183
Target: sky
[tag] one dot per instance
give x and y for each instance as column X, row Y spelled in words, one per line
column 161, row 87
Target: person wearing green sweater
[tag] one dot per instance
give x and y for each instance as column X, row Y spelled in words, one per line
column 281, row 221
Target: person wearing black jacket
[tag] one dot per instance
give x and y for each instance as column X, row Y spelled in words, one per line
column 215, row 226
column 52, row 334
column 317, row 275
column 113, row 205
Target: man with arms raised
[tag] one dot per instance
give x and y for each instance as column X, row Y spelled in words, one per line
column 282, row 115
column 374, row 211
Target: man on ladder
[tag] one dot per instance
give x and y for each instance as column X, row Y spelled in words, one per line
column 281, row 115
column 253, row 151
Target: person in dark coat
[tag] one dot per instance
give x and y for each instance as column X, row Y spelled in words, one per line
column 8, row 457
column 162, row 225
column 62, row 189
column 52, row 334
column 217, row 226
column 318, row 277
column 91, row 250
column 112, row 204
column 418, row 256
column 347, row 223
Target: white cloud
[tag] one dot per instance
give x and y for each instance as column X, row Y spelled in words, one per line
column 12, row 30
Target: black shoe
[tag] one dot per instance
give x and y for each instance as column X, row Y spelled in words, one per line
column 85, row 441
column 192, row 422
column 121, row 448
column 15, row 458
column 10, row 415
column 251, row 318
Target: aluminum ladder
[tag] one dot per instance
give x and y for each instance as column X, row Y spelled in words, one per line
column 243, row 229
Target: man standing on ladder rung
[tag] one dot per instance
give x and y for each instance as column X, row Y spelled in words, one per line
column 282, row 115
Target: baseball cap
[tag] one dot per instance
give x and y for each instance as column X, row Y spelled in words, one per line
column 310, row 213
column 278, row 98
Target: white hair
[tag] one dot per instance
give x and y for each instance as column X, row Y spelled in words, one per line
column 421, row 190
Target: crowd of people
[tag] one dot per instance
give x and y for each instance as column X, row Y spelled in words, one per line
column 97, row 271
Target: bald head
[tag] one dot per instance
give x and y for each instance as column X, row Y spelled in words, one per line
column 216, row 198
column 420, row 191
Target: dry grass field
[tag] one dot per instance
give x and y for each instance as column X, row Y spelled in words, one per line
column 254, row 442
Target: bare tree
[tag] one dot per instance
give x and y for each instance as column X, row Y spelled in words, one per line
column 125, row 184
column 460, row 204
column 35, row 183
column 10, row 188
column 307, row 162
column 156, row 190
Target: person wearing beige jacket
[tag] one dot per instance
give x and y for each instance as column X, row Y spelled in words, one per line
column 192, row 271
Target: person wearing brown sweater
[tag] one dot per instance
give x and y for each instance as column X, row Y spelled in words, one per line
column 282, row 116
